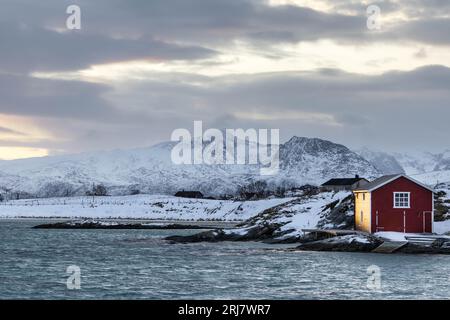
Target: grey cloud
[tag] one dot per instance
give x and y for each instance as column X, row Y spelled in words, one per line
column 221, row 21
column 435, row 31
column 381, row 110
column 11, row 131
column 117, row 30
column 396, row 110
column 384, row 110
column 424, row 8
column 31, row 48
column 23, row 95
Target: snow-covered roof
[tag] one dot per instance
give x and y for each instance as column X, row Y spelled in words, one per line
column 378, row 183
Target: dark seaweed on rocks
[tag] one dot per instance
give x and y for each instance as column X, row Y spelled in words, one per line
column 101, row 225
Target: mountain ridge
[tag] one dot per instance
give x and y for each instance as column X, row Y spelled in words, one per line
column 150, row 170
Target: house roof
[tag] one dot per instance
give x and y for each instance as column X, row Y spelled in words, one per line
column 342, row 182
column 188, row 193
column 378, row 183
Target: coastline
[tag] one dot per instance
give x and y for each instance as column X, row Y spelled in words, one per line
column 383, row 243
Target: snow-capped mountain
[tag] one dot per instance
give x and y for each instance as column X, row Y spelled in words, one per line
column 443, row 161
column 150, row 170
column 313, row 160
column 383, row 161
column 429, row 168
column 417, row 162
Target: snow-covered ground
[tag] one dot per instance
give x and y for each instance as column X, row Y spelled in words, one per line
column 309, row 213
column 137, row 207
column 442, row 227
column 305, row 212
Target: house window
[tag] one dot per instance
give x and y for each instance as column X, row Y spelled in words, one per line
column 362, row 217
column 364, row 197
column 401, row 200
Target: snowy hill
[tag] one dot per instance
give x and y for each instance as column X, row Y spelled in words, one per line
column 150, row 170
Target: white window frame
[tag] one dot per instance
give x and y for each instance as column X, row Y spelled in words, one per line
column 409, row 200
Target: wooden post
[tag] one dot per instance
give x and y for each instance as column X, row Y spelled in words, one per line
column 404, row 221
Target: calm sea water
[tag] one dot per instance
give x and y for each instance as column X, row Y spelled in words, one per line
column 138, row 264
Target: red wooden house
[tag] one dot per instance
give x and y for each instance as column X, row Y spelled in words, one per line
column 394, row 203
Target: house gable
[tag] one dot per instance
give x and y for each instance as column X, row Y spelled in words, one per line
column 381, row 182
column 410, row 218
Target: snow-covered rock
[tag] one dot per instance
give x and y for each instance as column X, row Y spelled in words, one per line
column 307, row 212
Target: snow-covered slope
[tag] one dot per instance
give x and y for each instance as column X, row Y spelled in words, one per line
column 443, row 161
column 150, row 170
column 433, row 178
column 429, row 168
column 423, row 162
column 137, row 207
column 383, row 161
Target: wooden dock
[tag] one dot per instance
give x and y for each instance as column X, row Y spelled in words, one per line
column 390, row 246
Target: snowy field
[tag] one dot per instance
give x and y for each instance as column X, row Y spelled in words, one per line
column 136, row 207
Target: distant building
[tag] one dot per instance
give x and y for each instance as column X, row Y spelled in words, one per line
column 344, row 184
column 189, row 194
column 394, row 203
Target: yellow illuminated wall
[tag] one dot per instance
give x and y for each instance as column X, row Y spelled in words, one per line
column 363, row 211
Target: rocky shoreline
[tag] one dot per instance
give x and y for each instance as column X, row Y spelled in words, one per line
column 364, row 243
column 268, row 233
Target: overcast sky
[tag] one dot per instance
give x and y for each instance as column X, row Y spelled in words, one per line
column 137, row 70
